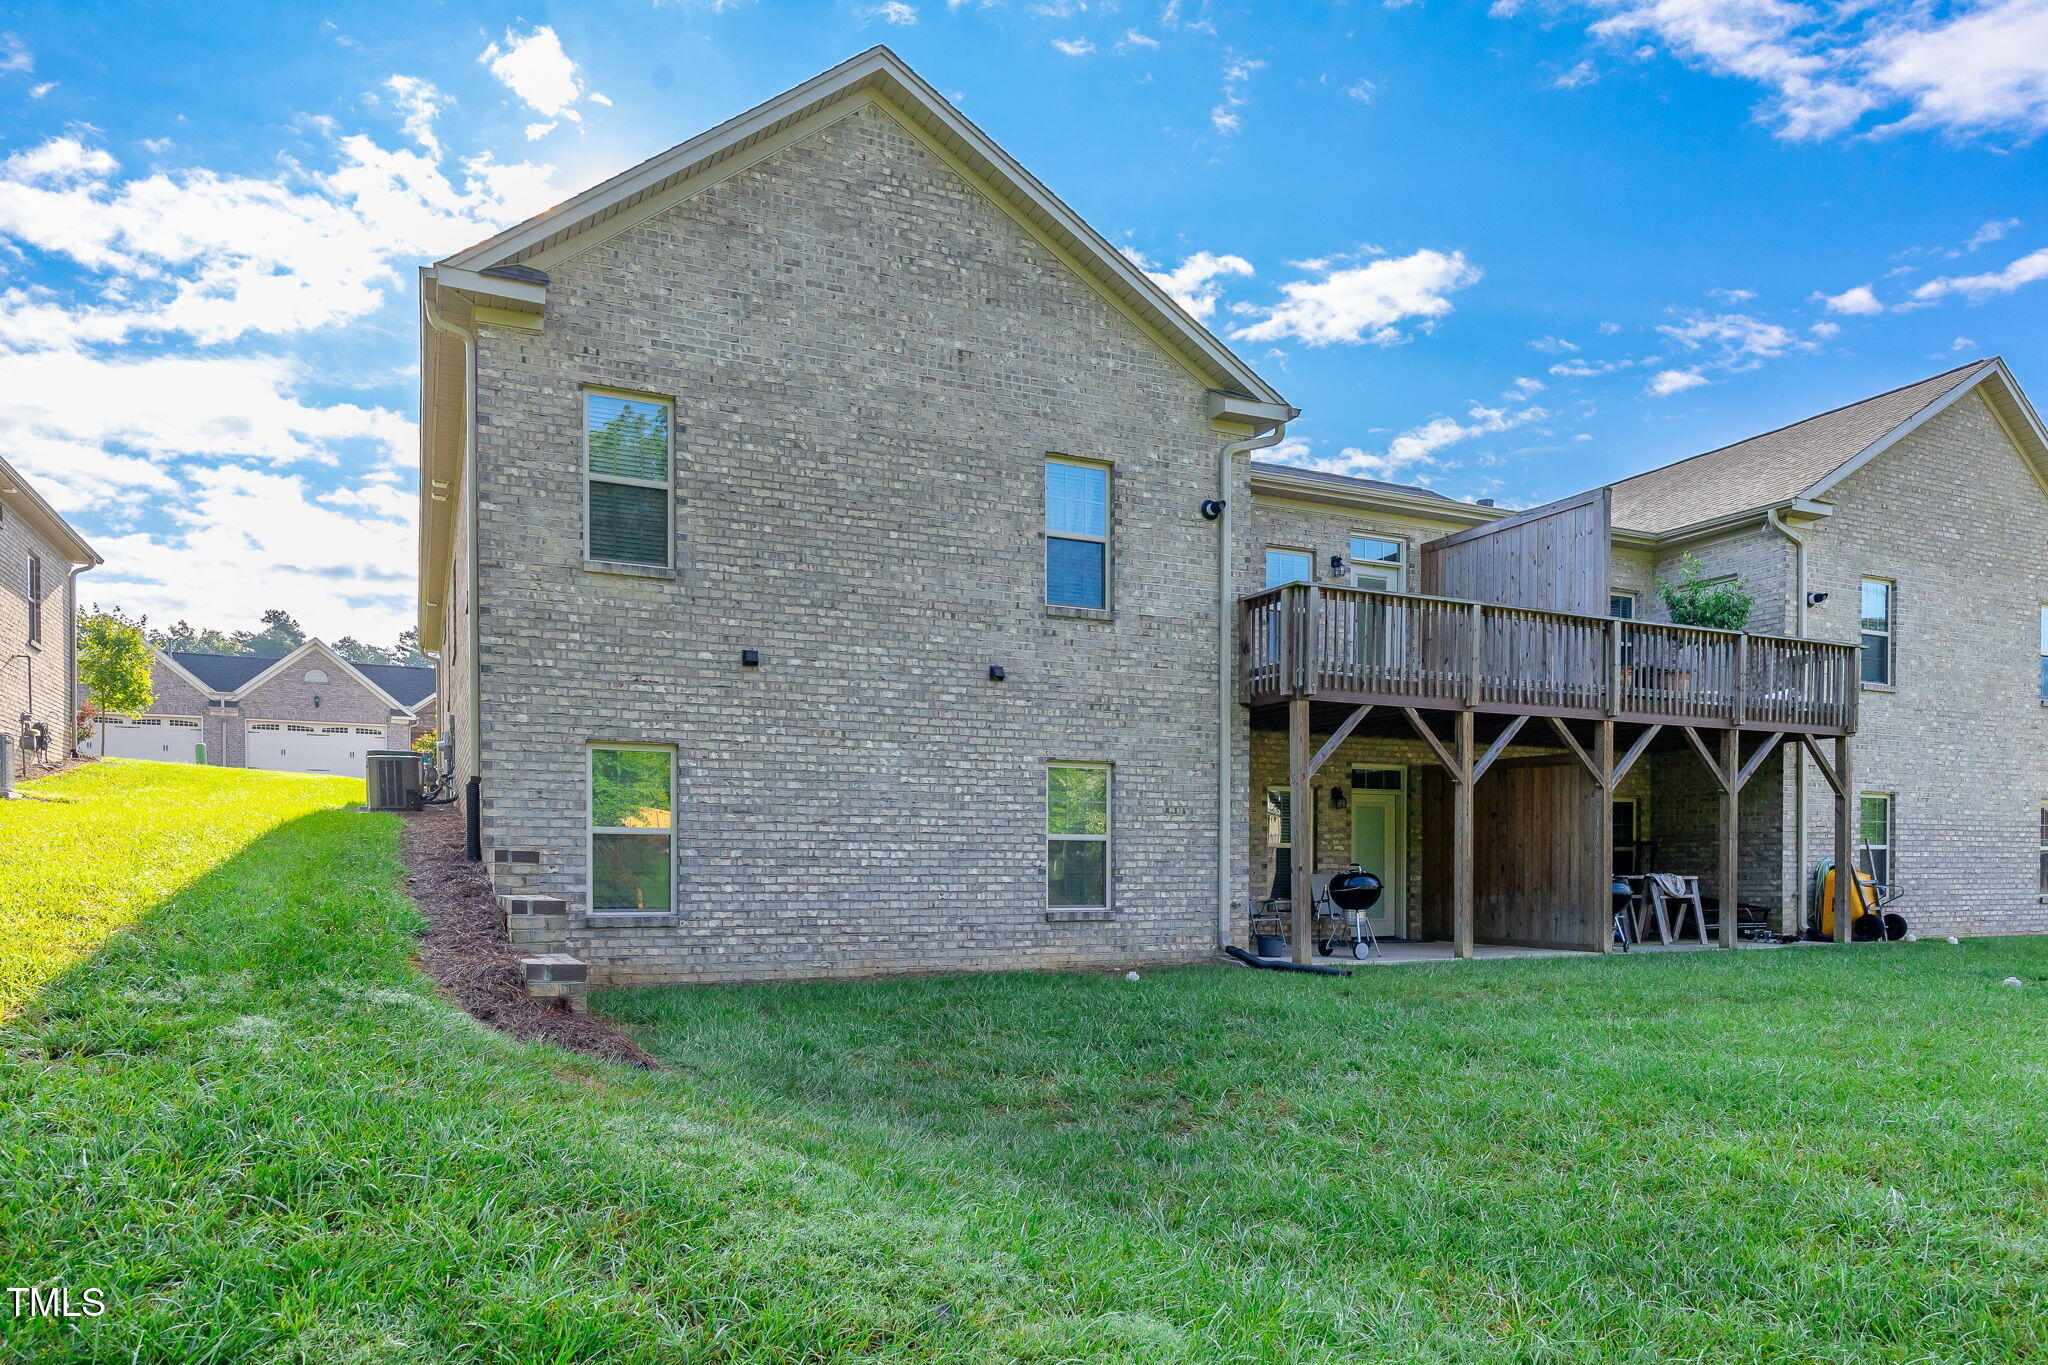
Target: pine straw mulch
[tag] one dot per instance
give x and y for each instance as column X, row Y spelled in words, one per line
column 467, row 954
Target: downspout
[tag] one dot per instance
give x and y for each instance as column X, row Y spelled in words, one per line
column 472, row 632
column 1226, row 674
column 71, row 678
column 1799, row 846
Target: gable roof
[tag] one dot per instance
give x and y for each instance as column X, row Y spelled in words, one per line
column 1806, row 458
column 1348, row 482
column 405, row 686
column 507, row 272
column 21, row 497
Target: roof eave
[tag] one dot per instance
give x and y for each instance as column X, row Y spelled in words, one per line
column 48, row 524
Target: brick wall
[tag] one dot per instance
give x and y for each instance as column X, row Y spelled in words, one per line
column 1954, row 517
column 869, row 364
column 39, row 685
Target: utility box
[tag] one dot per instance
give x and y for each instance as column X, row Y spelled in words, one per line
column 393, row 779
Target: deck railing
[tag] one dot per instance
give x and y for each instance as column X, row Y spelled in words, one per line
column 1392, row 648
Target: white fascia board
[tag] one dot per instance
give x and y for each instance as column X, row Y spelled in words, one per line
column 524, row 295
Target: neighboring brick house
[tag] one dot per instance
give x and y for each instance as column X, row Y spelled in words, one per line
column 311, row 711
column 40, row 559
column 835, row 554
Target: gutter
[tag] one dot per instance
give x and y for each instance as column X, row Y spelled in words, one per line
column 474, row 727
column 1273, row 418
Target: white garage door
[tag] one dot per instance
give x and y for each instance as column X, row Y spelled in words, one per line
column 296, row 746
column 168, row 739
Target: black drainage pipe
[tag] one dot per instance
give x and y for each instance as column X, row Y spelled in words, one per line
column 473, row 819
column 1274, row 964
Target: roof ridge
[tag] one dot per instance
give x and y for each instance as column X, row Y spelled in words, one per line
column 1810, row 417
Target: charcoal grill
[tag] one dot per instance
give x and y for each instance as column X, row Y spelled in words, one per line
column 1344, row 913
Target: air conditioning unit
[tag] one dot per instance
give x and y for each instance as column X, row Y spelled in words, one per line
column 393, row 779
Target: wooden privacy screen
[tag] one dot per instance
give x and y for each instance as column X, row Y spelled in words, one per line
column 1554, row 557
column 1536, row 881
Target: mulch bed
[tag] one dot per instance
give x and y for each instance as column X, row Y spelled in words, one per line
column 466, row 952
column 54, row 770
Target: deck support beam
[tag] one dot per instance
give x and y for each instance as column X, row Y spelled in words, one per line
column 1844, row 782
column 1730, row 781
column 1461, row 839
column 1343, row 733
column 1301, row 815
column 1604, row 778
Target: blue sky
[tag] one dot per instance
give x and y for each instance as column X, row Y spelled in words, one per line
column 1510, row 251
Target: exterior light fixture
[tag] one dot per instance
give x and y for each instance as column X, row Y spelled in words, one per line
column 1336, row 566
column 995, row 673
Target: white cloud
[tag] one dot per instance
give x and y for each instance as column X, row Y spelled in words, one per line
column 1990, row 232
column 1737, row 341
column 1583, row 73
column 1826, row 329
column 1196, row 281
column 218, row 256
column 1362, row 90
column 1364, row 303
column 893, row 12
column 15, row 58
column 1576, row 368
column 1074, row 47
column 1829, row 69
column 421, row 104
column 1237, row 73
column 1857, row 302
column 1668, row 382
column 2025, row 271
column 1963, row 344
column 1418, row 446
column 1134, row 41
column 1552, row 345
column 1731, row 295
column 534, row 67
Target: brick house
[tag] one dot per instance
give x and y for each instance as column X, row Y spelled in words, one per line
column 40, row 560
column 311, row 711
column 840, row 559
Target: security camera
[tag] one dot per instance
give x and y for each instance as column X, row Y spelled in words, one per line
column 1814, row 599
column 1212, row 509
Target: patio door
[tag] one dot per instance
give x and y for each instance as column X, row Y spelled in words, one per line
column 1379, row 841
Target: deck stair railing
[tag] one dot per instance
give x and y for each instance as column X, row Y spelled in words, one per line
column 1301, row 640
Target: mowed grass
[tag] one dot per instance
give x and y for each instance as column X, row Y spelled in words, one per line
column 250, row 1122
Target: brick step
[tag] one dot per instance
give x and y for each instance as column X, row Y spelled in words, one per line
column 558, row 976
column 533, row 921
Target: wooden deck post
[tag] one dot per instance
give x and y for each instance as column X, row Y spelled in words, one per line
column 1603, row 836
column 1301, row 814
column 1731, row 831
column 1845, row 839
column 1461, row 840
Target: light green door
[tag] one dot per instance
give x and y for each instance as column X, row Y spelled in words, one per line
column 1379, row 844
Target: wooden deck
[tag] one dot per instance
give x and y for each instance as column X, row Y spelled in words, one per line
column 1335, row 644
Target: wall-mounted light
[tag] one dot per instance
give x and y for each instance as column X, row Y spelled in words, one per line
column 1338, row 800
column 750, row 658
column 995, row 673
column 1336, row 566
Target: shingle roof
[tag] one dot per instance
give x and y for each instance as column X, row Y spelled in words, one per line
column 1347, row 481
column 231, row 672
column 1778, row 465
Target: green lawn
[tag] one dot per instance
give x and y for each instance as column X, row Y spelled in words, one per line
column 251, row 1123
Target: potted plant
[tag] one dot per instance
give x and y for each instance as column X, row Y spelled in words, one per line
column 1694, row 600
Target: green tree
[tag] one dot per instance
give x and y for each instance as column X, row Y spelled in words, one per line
column 280, row 636
column 1693, row 601
column 356, row 652
column 114, row 661
column 407, row 650
column 186, row 638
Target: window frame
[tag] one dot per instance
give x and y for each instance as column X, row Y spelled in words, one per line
column 591, row 829
column 668, row 485
column 32, row 590
column 1890, row 847
column 1397, row 568
column 2044, row 654
column 1107, row 540
column 1271, row 550
column 2044, row 848
column 1107, row 838
column 1890, row 633
column 1634, row 600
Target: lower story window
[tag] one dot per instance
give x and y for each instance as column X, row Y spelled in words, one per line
column 1874, row 828
column 2044, row 848
column 632, row 818
column 1077, row 836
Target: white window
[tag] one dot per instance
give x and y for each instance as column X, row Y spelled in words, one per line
column 1621, row 606
column 34, row 582
column 632, row 820
column 1378, row 563
column 1077, row 859
column 2044, row 848
column 1876, row 833
column 2044, row 653
column 1076, row 534
column 626, row 449
column 1878, row 595
column 1288, row 566
column 314, row 675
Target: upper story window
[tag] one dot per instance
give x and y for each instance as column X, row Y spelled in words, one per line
column 1288, row 566
column 33, row 579
column 1621, row 606
column 632, row 819
column 2044, row 653
column 1378, row 563
column 626, row 444
column 1878, row 595
column 1076, row 534
column 314, row 675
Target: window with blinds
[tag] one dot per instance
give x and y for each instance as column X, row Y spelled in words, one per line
column 34, row 575
column 627, row 444
column 1076, row 534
